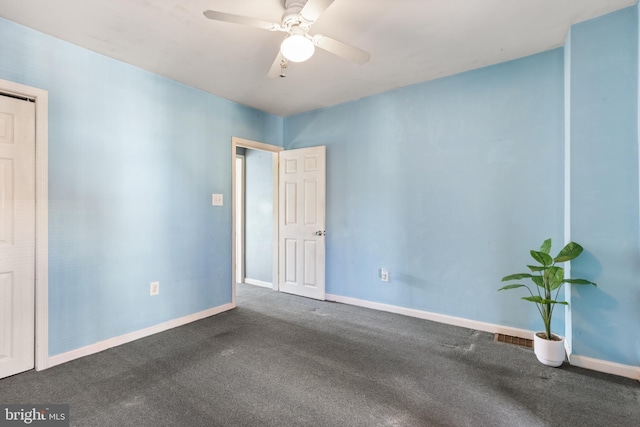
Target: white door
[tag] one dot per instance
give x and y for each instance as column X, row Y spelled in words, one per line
column 302, row 221
column 17, row 235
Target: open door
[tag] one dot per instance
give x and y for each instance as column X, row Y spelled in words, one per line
column 302, row 222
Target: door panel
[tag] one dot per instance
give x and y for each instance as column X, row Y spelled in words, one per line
column 6, row 201
column 310, row 256
column 302, row 221
column 17, row 235
column 291, row 267
column 291, row 203
column 310, row 202
column 6, row 314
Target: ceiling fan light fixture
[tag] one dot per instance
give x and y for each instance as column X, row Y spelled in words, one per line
column 297, row 48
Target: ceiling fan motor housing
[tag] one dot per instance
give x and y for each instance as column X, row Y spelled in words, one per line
column 291, row 15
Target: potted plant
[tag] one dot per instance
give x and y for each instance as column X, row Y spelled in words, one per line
column 548, row 278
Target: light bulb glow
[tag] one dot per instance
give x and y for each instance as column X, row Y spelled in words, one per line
column 297, row 48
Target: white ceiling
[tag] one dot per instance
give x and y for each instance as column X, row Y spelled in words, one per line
column 410, row 41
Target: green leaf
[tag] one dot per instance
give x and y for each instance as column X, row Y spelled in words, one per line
column 554, row 277
column 546, row 246
column 550, row 301
column 514, row 286
column 542, row 258
column 569, row 252
column 516, row 277
column 535, row 268
column 579, row 282
column 539, row 300
column 538, row 281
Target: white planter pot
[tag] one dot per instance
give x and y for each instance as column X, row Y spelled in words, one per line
column 549, row 352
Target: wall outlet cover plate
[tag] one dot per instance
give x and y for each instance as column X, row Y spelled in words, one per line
column 216, row 200
column 154, row 288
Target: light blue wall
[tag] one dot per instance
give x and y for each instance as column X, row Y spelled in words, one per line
column 133, row 160
column 447, row 184
column 259, row 216
column 604, row 186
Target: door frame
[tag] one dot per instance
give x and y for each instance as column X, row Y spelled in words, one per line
column 274, row 150
column 41, row 98
column 240, row 217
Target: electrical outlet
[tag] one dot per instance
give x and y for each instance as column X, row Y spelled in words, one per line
column 384, row 274
column 216, row 200
column 154, row 289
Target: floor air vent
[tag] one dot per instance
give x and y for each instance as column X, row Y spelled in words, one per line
column 522, row 342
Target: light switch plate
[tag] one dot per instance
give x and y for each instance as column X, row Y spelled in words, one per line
column 216, row 199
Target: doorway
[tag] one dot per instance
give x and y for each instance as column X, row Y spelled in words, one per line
column 297, row 203
column 248, row 226
column 254, row 221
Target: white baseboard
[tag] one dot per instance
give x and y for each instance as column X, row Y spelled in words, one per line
column 607, row 367
column 436, row 317
column 628, row 371
column 132, row 336
column 256, row 282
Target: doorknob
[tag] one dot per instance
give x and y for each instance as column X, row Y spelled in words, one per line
column 320, row 233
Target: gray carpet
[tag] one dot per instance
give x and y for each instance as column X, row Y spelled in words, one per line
column 281, row 360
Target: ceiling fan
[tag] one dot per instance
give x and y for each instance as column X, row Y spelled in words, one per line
column 299, row 45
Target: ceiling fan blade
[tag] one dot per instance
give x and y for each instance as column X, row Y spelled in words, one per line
column 343, row 50
column 237, row 19
column 276, row 68
column 313, row 9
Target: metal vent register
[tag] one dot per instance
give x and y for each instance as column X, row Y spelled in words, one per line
column 522, row 342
